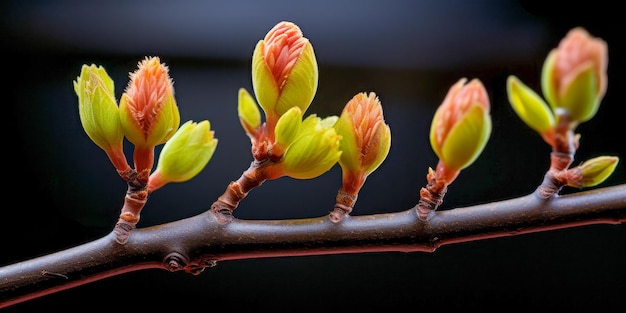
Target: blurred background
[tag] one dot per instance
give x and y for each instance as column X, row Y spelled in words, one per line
column 62, row 191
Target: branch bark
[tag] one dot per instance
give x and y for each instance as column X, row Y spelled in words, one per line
column 201, row 241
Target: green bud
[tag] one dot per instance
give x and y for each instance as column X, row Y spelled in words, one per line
column 597, row 170
column 97, row 107
column 312, row 153
column 99, row 113
column 185, row 154
column 287, row 130
column 249, row 113
column 530, row 107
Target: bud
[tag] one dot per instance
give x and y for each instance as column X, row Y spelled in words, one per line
column 287, row 130
column 366, row 139
column 574, row 75
column 313, row 152
column 99, row 114
column 531, row 108
column 592, row 172
column 284, row 72
column 460, row 128
column 249, row 114
column 148, row 110
column 184, row 155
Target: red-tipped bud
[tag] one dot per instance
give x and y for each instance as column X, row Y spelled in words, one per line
column 148, row 110
column 461, row 128
column 284, row 72
column 574, row 77
column 366, row 139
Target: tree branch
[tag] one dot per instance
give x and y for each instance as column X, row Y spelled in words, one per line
column 201, row 241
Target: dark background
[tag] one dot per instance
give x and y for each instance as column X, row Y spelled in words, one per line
column 61, row 191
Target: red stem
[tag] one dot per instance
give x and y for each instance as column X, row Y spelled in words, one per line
column 237, row 190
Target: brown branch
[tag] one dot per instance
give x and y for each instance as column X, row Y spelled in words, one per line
column 201, row 241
